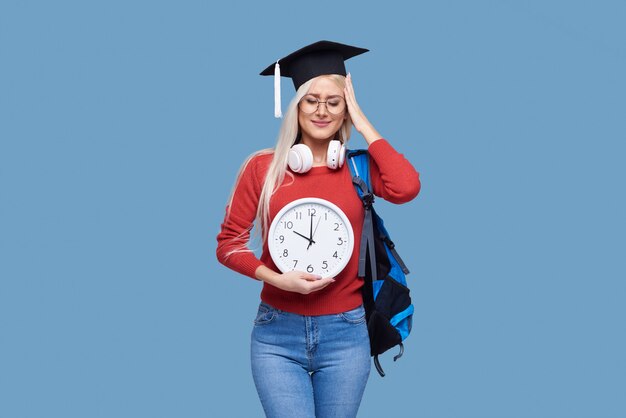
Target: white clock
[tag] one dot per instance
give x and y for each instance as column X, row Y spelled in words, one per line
column 311, row 235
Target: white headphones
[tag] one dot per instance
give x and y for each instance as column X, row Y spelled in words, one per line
column 301, row 158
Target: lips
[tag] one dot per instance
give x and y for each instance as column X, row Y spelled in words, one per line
column 320, row 124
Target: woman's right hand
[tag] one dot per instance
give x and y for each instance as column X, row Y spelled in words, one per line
column 294, row 281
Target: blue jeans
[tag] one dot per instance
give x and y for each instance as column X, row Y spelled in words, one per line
column 310, row 366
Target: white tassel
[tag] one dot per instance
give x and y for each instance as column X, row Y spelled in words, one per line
column 277, row 111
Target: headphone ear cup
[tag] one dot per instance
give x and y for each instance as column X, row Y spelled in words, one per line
column 300, row 159
column 342, row 155
column 335, row 154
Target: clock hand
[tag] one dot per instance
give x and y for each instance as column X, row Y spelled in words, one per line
column 306, row 238
column 313, row 234
column 318, row 224
column 310, row 232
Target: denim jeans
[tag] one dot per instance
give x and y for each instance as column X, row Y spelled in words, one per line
column 310, row 366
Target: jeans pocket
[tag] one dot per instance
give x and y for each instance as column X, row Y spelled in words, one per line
column 265, row 314
column 354, row 316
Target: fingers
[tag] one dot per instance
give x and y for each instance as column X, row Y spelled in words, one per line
column 310, row 277
column 305, row 283
column 353, row 107
column 349, row 89
column 314, row 282
column 320, row 284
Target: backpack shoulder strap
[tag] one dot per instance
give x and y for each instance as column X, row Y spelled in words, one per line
column 358, row 161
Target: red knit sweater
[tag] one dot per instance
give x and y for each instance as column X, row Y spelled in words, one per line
column 393, row 178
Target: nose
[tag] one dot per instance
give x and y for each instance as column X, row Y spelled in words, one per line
column 320, row 106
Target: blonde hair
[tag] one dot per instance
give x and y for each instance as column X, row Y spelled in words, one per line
column 287, row 137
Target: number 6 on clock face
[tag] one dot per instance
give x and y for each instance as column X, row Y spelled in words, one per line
column 311, row 235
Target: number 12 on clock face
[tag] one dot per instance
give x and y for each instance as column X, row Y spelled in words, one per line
column 311, row 235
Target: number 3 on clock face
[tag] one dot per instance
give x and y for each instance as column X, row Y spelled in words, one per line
column 311, row 235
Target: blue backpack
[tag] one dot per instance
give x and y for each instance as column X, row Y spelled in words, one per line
column 386, row 299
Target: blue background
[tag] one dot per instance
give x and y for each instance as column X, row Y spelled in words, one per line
column 122, row 127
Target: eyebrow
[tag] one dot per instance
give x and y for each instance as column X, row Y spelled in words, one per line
column 319, row 95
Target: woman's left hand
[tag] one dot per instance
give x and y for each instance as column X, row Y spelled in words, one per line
column 360, row 122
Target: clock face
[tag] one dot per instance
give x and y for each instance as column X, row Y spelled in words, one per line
column 311, row 235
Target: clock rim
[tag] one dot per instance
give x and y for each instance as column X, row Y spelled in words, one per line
column 322, row 202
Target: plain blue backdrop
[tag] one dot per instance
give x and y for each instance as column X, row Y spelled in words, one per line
column 122, row 127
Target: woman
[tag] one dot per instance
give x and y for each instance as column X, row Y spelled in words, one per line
column 310, row 347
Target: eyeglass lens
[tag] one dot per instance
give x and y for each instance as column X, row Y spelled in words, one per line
column 334, row 104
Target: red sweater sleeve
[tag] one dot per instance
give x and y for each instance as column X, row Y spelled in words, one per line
column 232, row 241
column 393, row 177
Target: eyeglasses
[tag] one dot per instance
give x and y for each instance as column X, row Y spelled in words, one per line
column 334, row 104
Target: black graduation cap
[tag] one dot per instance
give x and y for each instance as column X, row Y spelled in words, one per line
column 319, row 58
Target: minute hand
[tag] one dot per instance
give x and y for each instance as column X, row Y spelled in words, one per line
column 310, row 232
column 313, row 233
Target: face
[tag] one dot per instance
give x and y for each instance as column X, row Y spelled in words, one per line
column 321, row 125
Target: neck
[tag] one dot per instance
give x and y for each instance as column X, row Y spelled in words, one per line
column 319, row 148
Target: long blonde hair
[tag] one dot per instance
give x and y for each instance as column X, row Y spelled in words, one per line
column 287, row 137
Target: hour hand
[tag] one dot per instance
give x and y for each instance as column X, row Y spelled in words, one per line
column 305, row 237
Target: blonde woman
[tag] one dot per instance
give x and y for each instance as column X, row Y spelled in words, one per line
column 310, row 349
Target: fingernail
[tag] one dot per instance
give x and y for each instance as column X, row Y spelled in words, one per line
column 318, row 277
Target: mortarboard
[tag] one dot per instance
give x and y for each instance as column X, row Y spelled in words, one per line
column 319, row 58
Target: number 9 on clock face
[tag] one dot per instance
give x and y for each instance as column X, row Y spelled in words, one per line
column 311, row 235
